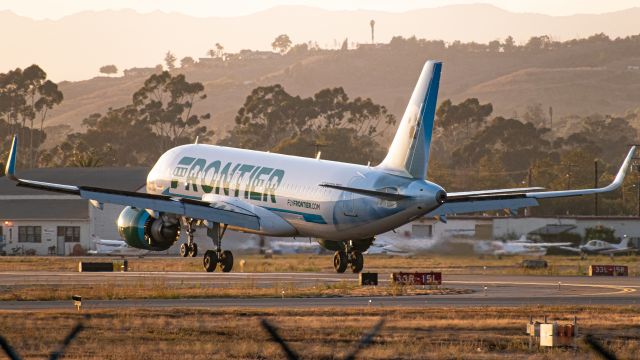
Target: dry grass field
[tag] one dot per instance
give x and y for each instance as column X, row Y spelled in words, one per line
column 408, row 333
column 164, row 290
column 558, row 265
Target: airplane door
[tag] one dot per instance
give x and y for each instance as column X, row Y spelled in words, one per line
column 350, row 203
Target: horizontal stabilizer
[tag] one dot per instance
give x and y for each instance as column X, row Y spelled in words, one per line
column 466, row 194
column 532, row 193
column 374, row 193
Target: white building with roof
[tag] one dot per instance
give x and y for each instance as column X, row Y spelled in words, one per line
column 37, row 222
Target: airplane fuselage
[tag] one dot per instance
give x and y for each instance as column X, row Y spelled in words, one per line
column 289, row 187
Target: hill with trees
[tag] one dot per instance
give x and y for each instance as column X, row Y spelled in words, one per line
column 538, row 114
column 576, row 77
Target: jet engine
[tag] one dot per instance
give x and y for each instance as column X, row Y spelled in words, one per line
column 361, row 245
column 141, row 230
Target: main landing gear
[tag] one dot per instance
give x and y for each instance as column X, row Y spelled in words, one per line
column 214, row 257
column 348, row 257
column 190, row 248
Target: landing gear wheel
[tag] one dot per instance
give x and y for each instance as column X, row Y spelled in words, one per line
column 356, row 261
column 340, row 261
column 226, row 261
column 184, row 250
column 210, row 260
column 193, row 250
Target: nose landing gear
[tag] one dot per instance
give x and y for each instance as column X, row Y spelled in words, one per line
column 190, row 248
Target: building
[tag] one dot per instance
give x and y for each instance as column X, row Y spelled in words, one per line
column 505, row 227
column 37, row 222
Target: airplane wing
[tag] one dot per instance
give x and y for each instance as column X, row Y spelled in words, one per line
column 572, row 249
column 546, row 245
column 218, row 211
column 478, row 205
column 474, row 201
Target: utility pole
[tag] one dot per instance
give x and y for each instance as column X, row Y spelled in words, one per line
column 372, row 23
column 551, row 117
column 527, row 211
column 622, row 195
column 635, row 166
column 569, row 166
column 595, row 180
column 638, row 188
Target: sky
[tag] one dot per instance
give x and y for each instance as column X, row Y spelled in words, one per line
column 55, row 9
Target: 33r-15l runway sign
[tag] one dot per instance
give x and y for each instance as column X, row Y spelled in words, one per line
column 417, row 278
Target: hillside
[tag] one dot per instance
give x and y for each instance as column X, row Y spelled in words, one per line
column 75, row 46
column 591, row 77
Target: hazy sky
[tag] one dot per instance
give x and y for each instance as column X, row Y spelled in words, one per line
column 54, row 9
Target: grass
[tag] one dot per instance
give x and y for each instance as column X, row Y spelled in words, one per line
column 558, row 265
column 157, row 289
column 408, row 333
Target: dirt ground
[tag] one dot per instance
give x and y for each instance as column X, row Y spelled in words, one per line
column 407, row 333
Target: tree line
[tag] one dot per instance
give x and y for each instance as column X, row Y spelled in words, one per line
column 26, row 96
column 472, row 148
column 473, row 151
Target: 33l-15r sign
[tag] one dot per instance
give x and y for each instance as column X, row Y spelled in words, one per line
column 418, row 278
column 608, row 270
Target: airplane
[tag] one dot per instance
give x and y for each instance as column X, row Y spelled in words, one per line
column 343, row 205
column 593, row 247
column 115, row 247
column 392, row 243
column 387, row 246
column 522, row 246
column 294, row 247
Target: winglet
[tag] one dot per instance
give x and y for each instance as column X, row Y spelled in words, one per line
column 623, row 170
column 10, row 170
column 613, row 186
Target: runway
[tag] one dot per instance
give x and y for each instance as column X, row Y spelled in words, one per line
column 488, row 290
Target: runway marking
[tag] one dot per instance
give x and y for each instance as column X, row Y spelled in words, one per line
column 22, row 278
column 622, row 289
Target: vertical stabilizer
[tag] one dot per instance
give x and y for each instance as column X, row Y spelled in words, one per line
column 624, row 243
column 409, row 151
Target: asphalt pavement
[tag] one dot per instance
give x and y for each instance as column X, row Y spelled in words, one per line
column 487, row 290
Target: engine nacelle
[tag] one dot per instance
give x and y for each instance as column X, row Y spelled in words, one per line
column 142, row 231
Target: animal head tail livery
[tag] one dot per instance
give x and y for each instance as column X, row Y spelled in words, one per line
column 409, row 151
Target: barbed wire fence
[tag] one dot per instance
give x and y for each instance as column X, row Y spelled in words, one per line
column 591, row 343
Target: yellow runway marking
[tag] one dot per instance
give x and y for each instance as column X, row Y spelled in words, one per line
column 621, row 289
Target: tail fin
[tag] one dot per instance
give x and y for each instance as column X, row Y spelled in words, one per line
column 10, row 170
column 624, row 242
column 409, row 151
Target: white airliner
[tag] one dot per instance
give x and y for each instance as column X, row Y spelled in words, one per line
column 343, row 205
